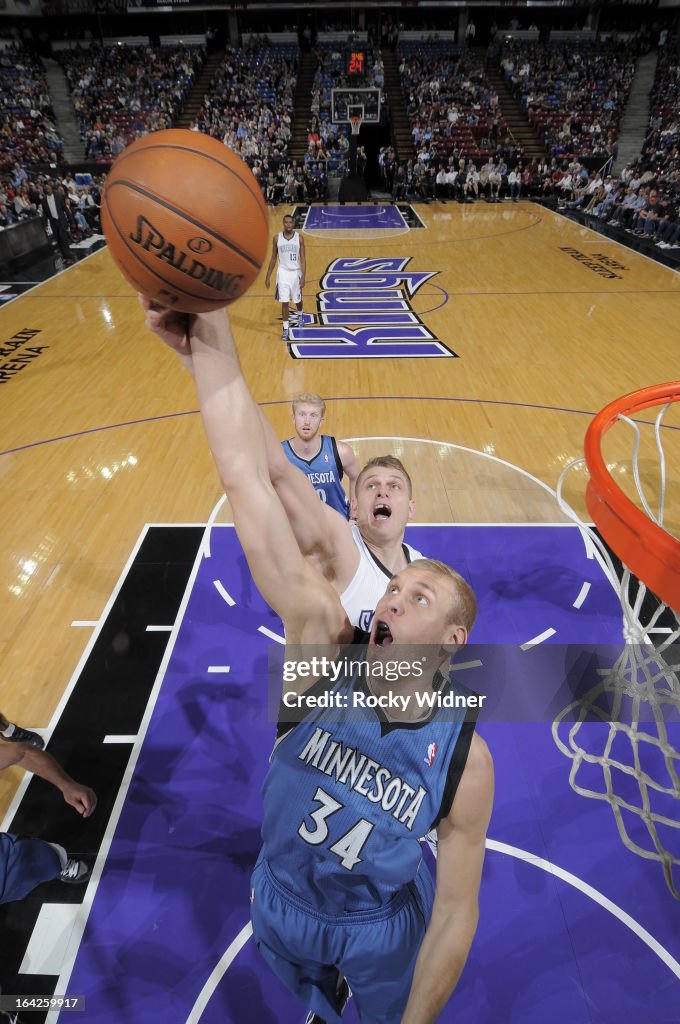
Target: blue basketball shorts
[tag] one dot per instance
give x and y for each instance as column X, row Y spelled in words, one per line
column 25, row 863
column 375, row 950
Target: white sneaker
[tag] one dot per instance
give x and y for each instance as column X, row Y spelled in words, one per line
column 75, row 872
column 284, row 334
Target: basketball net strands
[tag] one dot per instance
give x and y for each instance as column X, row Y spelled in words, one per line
column 635, row 700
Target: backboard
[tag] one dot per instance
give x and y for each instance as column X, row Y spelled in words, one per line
column 348, row 102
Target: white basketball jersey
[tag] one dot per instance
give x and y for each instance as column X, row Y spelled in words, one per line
column 289, row 251
column 369, row 583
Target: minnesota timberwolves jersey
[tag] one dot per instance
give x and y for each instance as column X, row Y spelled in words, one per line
column 324, row 472
column 345, row 802
column 369, row 582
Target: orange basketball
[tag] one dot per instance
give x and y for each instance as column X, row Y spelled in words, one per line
column 185, row 220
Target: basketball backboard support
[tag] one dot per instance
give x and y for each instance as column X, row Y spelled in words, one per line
column 348, row 103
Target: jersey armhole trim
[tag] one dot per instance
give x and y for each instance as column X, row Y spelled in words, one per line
column 456, row 767
column 338, row 460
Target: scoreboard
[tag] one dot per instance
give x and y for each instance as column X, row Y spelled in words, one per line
column 356, row 64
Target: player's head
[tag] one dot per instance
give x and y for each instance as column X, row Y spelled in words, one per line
column 288, row 224
column 308, row 414
column 383, row 497
column 426, row 605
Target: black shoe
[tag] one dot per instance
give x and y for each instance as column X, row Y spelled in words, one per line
column 344, row 993
column 25, row 736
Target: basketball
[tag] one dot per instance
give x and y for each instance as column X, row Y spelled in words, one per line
column 185, row 220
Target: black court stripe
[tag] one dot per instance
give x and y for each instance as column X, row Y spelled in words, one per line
column 206, row 156
column 110, row 696
column 185, row 216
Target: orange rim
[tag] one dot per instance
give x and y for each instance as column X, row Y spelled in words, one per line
column 647, row 549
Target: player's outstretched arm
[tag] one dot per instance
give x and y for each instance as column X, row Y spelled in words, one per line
column 309, row 607
column 460, row 855
column 321, row 532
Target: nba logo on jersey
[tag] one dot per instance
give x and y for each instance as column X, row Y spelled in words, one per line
column 365, row 620
column 431, row 754
column 326, row 459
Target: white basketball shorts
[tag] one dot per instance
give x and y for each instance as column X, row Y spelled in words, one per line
column 288, row 286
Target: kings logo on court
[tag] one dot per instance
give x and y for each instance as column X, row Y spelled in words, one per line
column 364, row 311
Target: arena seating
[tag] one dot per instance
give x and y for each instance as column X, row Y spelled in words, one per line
column 438, row 76
column 121, row 93
column 574, row 95
column 250, row 103
column 27, row 132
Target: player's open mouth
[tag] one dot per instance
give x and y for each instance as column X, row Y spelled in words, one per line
column 382, row 512
column 383, row 637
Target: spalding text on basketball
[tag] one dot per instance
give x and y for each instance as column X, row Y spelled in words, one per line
column 151, row 240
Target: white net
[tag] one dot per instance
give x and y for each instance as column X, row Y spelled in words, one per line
column 623, row 737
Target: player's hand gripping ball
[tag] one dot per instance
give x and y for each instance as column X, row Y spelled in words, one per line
column 185, row 220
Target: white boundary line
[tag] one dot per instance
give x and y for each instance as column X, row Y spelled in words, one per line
column 462, row 448
column 218, row 973
column 221, row 590
column 593, row 894
column 272, row 636
column 75, row 938
column 536, row 640
column 58, row 711
column 588, row 544
column 205, row 544
column 495, row 846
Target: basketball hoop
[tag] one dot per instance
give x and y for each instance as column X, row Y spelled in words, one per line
column 638, row 697
column 355, row 123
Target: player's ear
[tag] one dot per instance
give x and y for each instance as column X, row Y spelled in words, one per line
column 353, row 508
column 411, row 508
column 457, row 637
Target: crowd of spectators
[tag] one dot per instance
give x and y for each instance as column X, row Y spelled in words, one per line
column 250, row 108
column 501, row 175
column 27, row 130
column 636, row 201
column 449, row 99
column 462, row 150
column 661, row 150
column 645, row 199
column 574, row 96
column 122, row 93
column 24, row 195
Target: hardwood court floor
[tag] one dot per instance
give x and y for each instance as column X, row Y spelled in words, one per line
column 100, row 433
